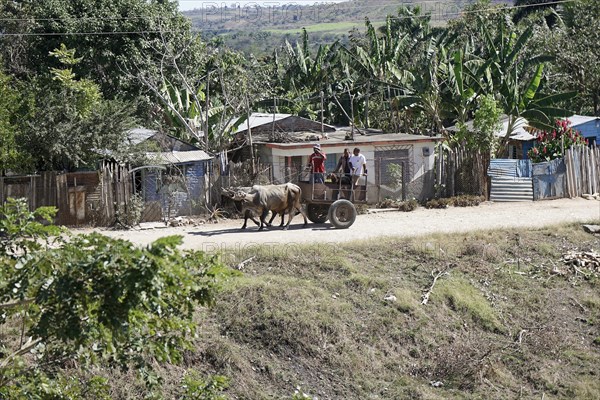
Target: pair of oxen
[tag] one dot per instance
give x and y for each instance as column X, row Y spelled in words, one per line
column 260, row 199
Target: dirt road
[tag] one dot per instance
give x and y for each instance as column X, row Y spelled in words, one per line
column 227, row 235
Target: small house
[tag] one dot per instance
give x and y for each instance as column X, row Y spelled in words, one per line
column 173, row 177
column 520, row 140
column 589, row 127
column 287, row 153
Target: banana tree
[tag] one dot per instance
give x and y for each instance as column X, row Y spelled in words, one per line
column 508, row 69
column 380, row 62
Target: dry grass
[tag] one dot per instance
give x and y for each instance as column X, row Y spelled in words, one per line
column 500, row 325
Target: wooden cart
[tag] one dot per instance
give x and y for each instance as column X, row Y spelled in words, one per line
column 333, row 201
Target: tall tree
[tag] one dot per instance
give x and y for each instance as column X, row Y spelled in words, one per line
column 11, row 111
column 107, row 34
column 546, row 8
column 575, row 48
column 71, row 125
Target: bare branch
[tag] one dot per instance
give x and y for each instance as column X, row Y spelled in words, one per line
column 241, row 265
column 23, row 350
column 436, row 275
column 14, row 304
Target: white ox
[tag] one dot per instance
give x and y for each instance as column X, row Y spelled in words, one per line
column 278, row 199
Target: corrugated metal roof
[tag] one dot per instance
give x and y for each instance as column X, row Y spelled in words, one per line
column 519, row 131
column 258, row 119
column 138, row 135
column 580, row 119
column 180, row 157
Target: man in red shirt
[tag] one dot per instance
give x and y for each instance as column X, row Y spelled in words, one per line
column 317, row 163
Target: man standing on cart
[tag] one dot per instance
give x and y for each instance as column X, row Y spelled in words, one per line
column 358, row 163
column 317, row 163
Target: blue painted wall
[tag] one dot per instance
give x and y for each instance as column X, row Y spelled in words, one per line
column 590, row 131
column 180, row 199
column 526, row 147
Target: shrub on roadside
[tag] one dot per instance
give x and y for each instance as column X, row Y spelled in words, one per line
column 409, row 205
column 94, row 300
column 467, row 200
column 438, row 203
column 388, row 203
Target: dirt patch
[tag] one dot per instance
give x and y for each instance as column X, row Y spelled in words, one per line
column 227, row 235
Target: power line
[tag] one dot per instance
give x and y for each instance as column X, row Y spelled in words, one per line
column 85, row 33
column 430, row 15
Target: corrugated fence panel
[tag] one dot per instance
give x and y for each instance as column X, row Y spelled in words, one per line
column 549, row 180
column 503, row 168
column 509, row 168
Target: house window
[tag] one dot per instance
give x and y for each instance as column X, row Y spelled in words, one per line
column 174, row 178
column 514, row 152
column 331, row 161
column 383, row 158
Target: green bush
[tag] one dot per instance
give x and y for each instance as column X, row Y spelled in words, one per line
column 467, row 200
column 93, row 300
column 409, row 205
column 438, row 203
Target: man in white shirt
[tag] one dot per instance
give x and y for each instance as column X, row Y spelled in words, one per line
column 358, row 164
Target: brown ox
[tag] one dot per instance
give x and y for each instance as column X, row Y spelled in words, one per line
column 278, row 199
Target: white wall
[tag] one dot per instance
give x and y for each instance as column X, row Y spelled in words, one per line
column 421, row 164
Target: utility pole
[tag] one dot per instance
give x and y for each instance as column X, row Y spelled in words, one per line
column 367, row 104
column 207, row 106
column 273, row 127
column 351, row 113
column 322, row 129
column 250, row 136
column 323, row 134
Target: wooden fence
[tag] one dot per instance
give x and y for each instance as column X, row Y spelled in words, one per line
column 463, row 172
column 583, row 171
column 82, row 198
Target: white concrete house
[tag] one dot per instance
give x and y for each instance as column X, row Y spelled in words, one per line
column 288, row 155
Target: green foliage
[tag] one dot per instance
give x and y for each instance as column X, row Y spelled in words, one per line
column 573, row 45
column 130, row 214
column 35, row 385
column 104, row 57
column 11, row 156
column 198, row 388
column 59, row 137
column 86, row 94
column 551, row 145
column 395, row 171
column 96, row 300
column 23, row 232
column 463, row 297
column 487, row 122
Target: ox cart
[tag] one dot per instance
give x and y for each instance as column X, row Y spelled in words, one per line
column 334, row 199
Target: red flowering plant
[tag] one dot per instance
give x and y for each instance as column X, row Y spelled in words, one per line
column 550, row 145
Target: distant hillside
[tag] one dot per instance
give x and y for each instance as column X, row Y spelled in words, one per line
column 258, row 27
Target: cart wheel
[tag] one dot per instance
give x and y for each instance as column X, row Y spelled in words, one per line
column 317, row 213
column 342, row 214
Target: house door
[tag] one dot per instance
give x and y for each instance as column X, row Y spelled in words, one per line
column 392, row 173
column 77, row 204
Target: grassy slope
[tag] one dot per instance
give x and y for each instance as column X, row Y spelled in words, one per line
column 261, row 28
column 501, row 325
